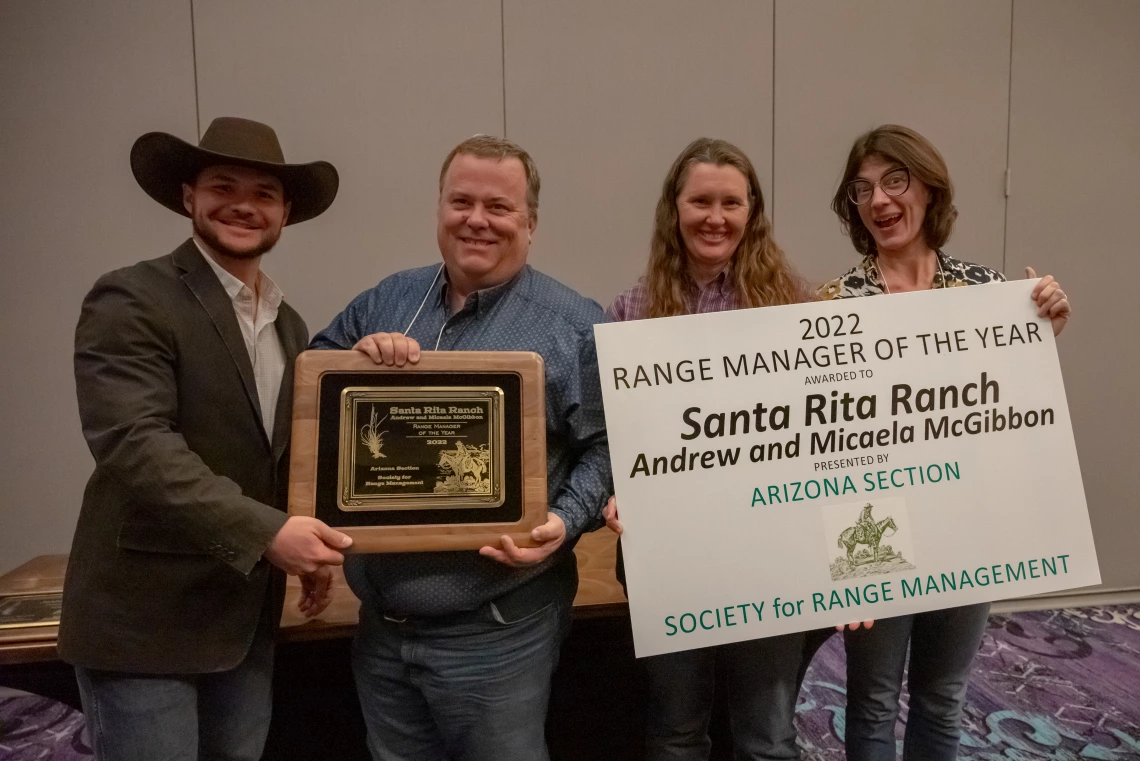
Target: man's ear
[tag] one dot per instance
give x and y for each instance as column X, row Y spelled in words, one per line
column 288, row 208
column 188, row 198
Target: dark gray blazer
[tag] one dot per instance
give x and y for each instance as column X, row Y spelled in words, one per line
column 166, row 574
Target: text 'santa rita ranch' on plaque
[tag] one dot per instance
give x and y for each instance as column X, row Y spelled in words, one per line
column 448, row 453
column 424, row 447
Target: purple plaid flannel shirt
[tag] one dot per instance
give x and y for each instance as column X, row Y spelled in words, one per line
column 718, row 296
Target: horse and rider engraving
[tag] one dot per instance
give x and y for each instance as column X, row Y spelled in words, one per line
column 878, row 555
column 867, row 531
column 464, row 469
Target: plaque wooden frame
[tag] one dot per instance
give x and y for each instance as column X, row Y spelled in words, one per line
column 311, row 366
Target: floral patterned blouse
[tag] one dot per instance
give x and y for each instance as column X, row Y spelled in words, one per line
column 863, row 279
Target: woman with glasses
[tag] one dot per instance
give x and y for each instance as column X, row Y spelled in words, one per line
column 895, row 201
column 712, row 251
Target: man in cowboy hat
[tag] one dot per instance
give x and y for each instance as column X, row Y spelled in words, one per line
column 184, row 374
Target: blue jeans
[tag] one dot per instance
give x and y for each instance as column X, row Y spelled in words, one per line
column 473, row 686
column 762, row 684
column 942, row 647
column 222, row 716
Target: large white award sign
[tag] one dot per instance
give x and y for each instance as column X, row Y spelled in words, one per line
column 790, row 468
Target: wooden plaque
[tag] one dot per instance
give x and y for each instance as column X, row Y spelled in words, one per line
column 445, row 454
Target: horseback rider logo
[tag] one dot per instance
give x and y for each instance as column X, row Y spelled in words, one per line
column 867, row 531
column 464, row 469
column 873, row 546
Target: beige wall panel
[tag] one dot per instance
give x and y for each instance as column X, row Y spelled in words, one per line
column 605, row 94
column 1075, row 119
column 842, row 68
column 383, row 91
column 79, row 82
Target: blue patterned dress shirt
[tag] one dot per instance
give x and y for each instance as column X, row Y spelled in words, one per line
column 531, row 312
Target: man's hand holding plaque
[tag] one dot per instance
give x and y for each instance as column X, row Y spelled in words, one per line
column 389, row 349
column 549, row 537
column 304, row 545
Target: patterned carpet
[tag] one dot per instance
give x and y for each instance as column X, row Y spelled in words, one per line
column 1062, row 685
column 39, row 729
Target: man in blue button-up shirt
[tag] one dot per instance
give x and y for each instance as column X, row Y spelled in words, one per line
column 455, row 649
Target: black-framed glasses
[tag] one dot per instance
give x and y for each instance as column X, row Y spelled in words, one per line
column 893, row 183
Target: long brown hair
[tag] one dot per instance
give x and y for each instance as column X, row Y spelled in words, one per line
column 903, row 146
column 760, row 271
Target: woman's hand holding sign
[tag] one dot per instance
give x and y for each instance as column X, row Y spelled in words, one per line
column 1051, row 301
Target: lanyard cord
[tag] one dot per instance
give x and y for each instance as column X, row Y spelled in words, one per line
column 415, row 317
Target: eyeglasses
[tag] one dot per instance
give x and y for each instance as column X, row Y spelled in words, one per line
column 893, row 183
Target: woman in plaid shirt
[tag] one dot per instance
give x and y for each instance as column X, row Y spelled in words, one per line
column 712, row 250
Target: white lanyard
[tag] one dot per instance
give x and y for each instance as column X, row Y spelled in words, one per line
column 417, row 314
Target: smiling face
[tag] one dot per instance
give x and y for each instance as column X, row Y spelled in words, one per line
column 237, row 211
column 483, row 224
column 895, row 222
column 712, row 212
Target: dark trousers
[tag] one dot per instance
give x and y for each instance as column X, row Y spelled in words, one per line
column 942, row 647
column 813, row 641
column 762, row 687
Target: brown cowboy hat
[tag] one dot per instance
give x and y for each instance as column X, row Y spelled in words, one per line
column 162, row 162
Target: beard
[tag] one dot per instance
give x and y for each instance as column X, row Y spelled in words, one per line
column 206, row 233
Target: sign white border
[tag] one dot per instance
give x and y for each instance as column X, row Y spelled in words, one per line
column 812, row 399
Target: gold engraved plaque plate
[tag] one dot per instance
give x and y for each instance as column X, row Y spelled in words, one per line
column 420, row 448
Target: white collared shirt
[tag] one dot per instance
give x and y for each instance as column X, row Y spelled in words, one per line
column 256, row 314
